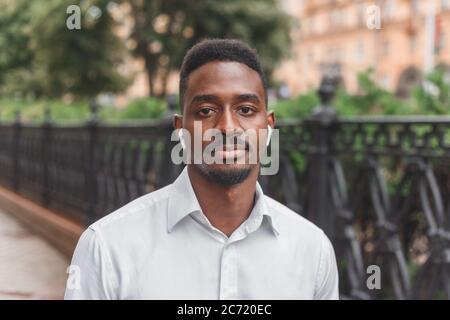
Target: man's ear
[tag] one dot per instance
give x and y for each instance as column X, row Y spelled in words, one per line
column 271, row 119
column 177, row 121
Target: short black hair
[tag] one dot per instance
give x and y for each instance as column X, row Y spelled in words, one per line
column 210, row 50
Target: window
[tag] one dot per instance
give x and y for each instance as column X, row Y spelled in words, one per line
column 339, row 53
column 337, row 18
column 442, row 40
column 389, row 9
column 413, row 44
column 360, row 52
column 310, row 56
column 385, row 48
column 334, row 19
column 311, row 25
column 361, row 14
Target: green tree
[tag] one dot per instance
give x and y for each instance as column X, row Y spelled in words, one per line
column 434, row 96
column 15, row 55
column 372, row 99
column 299, row 107
column 164, row 29
column 144, row 108
column 53, row 60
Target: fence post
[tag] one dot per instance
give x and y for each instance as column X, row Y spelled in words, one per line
column 91, row 168
column 322, row 125
column 45, row 149
column 16, row 151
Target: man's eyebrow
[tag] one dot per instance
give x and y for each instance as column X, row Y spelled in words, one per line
column 248, row 97
column 204, row 98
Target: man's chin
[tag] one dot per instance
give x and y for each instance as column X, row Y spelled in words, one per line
column 226, row 174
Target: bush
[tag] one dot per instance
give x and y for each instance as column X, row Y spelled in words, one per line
column 372, row 100
column 434, row 98
column 375, row 100
column 145, row 108
column 299, row 107
column 33, row 110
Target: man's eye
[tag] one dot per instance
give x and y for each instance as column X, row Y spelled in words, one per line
column 246, row 110
column 205, row 112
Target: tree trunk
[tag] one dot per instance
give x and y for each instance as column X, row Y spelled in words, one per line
column 150, row 78
column 151, row 89
column 164, row 80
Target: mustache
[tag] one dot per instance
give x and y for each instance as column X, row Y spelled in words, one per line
column 235, row 140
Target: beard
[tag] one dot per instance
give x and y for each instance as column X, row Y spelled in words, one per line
column 228, row 176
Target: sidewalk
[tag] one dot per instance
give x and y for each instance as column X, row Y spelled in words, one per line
column 29, row 267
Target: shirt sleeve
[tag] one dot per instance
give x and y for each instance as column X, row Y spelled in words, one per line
column 90, row 271
column 327, row 281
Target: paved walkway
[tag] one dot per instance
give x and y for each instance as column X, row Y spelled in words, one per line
column 29, row 267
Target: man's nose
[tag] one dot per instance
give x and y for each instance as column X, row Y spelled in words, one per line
column 227, row 123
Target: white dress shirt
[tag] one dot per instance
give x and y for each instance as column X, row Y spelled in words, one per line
column 161, row 246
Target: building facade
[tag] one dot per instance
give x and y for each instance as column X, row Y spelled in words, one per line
column 400, row 39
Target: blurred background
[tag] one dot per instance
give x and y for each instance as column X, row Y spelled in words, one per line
column 87, row 91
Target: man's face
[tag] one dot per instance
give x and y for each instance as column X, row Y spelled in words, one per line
column 228, row 97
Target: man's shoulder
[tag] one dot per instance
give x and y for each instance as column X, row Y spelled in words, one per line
column 293, row 222
column 147, row 207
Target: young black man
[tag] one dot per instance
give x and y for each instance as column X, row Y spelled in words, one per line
column 212, row 233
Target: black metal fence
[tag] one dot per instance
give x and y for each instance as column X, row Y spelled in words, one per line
column 378, row 186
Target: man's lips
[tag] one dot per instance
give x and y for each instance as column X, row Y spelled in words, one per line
column 234, row 147
column 232, row 151
column 231, row 154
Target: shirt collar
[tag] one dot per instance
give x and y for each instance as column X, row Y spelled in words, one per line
column 183, row 202
column 261, row 207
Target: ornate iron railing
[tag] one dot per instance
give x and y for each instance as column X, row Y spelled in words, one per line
column 378, row 186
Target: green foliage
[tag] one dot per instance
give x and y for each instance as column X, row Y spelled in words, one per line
column 170, row 27
column 41, row 57
column 34, row 110
column 435, row 99
column 15, row 54
column 374, row 100
column 146, row 108
column 260, row 23
column 53, row 60
column 299, row 107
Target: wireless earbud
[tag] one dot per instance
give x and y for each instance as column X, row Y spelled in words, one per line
column 269, row 134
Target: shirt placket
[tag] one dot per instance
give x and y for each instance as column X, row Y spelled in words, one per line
column 229, row 273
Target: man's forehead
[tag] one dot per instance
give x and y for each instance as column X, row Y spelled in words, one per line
column 224, row 78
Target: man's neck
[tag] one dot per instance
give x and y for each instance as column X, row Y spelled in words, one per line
column 226, row 207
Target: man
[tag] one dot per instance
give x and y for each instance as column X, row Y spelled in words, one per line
column 212, row 234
